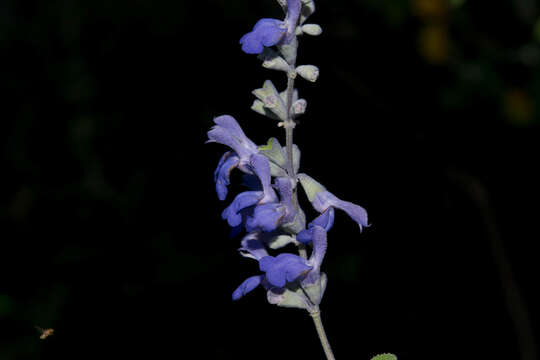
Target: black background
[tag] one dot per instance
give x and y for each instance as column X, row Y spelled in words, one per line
column 424, row 113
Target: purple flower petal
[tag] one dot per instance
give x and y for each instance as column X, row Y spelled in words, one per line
column 261, row 168
column 283, row 268
column 265, row 217
column 253, row 247
column 293, row 12
column 325, row 221
column 320, row 243
column 226, row 164
column 228, row 132
column 241, row 201
column 248, row 285
column 322, row 199
column 266, row 32
column 305, row 236
column 285, row 189
column 325, row 199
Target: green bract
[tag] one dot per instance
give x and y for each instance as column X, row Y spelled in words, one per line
column 311, row 187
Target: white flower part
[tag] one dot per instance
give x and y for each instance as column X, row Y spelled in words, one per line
column 280, row 241
column 312, row 29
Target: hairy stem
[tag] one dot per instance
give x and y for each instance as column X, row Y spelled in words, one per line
column 289, row 143
column 289, row 126
column 289, row 122
column 316, row 316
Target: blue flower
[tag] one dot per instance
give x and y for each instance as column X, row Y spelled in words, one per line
column 284, row 268
column 222, row 175
column 325, row 221
column 278, row 270
column 268, row 32
column 322, row 200
column 320, row 243
column 248, row 285
column 266, row 217
column 233, row 212
column 245, row 156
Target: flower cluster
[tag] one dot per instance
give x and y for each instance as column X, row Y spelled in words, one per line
column 268, row 212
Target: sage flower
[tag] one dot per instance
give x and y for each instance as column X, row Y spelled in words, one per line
column 245, row 156
column 322, row 200
column 269, row 32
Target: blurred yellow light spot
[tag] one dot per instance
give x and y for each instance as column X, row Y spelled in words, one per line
column 433, row 43
column 518, row 106
column 429, row 9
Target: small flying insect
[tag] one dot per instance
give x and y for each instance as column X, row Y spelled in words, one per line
column 44, row 333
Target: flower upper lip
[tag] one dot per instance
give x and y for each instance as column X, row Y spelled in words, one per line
column 269, row 32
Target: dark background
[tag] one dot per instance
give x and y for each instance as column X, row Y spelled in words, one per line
column 425, row 113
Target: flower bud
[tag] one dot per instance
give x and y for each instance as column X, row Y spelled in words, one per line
column 271, row 100
column 277, row 63
column 299, row 107
column 312, row 29
column 308, row 72
column 272, row 60
column 258, row 107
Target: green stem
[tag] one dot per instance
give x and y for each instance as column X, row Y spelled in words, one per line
column 316, row 316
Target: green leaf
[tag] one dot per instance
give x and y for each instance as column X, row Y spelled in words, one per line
column 384, row 357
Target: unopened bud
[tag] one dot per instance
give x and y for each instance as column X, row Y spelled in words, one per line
column 277, row 63
column 308, row 72
column 271, row 99
column 312, row 29
column 299, row 107
column 272, row 60
column 258, row 107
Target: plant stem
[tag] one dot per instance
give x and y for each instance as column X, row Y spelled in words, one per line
column 289, row 123
column 316, row 316
column 289, row 126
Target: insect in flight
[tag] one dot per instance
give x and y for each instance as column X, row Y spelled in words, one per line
column 44, row 333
